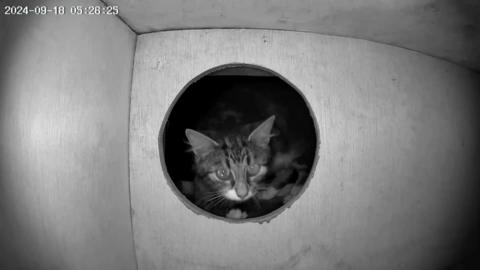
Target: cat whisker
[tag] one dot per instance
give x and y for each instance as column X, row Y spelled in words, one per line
column 257, row 202
column 214, row 203
column 218, row 202
column 211, row 201
column 207, row 198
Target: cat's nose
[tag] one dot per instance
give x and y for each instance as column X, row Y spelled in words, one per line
column 241, row 191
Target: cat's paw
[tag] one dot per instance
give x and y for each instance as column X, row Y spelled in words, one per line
column 236, row 214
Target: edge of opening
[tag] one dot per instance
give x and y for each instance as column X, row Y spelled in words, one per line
column 199, row 211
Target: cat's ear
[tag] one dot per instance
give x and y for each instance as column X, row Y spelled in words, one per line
column 201, row 144
column 261, row 135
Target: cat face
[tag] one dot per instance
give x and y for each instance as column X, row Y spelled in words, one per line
column 234, row 165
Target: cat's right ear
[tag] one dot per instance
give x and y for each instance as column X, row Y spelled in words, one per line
column 262, row 134
column 201, row 144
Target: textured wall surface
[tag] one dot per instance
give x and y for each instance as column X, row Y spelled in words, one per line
column 64, row 108
column 448, row 29
column 395, row 184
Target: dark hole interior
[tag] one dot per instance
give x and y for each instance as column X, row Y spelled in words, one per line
column 228, row 106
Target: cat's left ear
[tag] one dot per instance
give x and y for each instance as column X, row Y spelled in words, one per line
column 261, row 135
column 201, row 144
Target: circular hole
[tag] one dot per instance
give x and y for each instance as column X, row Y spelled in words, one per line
column 238, row 144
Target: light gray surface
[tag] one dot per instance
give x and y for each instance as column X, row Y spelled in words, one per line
column 64, row 108
column 395, row 184
column 447, row 29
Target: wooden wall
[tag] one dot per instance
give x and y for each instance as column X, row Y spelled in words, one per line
column 395, row 182
column 64, row 107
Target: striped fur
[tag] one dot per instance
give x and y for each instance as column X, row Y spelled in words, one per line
column 242, row 157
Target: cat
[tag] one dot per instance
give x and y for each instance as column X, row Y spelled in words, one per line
column 220, row 113
column 240, row 174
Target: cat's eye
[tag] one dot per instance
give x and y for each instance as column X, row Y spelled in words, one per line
column 222, row 174
column 253, row 169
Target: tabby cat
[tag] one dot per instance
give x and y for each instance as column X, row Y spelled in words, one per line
column 239, row 175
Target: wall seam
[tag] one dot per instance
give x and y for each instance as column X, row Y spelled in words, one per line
column 131, row 212
column 128, row 135
column 120, row 18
